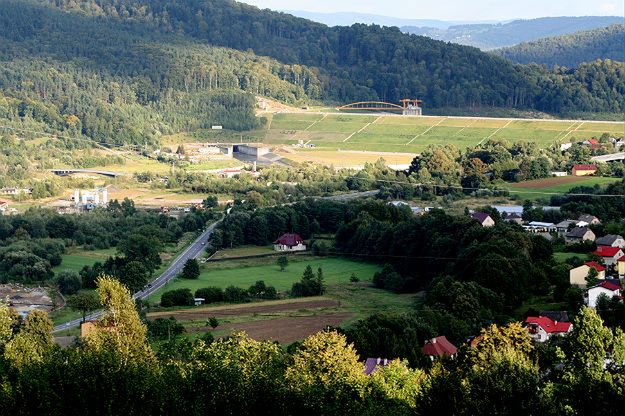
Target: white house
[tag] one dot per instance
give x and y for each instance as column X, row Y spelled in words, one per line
column 611, row 240
column 289, row 242
column 609, row 288
column 542, row 328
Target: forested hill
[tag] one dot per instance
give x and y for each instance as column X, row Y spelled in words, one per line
column 492, row 36
column 369, row 61
column 571, row 50
column 130, row 70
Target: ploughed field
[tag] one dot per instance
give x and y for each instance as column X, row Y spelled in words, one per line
column 404, row 134
column 544, row 188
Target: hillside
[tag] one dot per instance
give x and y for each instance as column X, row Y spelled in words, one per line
column 571, row 50
column 129, row 71
column 492, row 36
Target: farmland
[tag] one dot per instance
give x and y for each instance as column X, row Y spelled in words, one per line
column 388, row 133
column 544, row 188
column 244, row 273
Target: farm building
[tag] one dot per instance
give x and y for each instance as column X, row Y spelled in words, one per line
column 584, row 170
column 289, row 242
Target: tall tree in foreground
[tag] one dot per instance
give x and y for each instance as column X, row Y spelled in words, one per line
column 120, row 327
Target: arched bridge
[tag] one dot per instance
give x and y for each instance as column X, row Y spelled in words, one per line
column 65, row 172
column 371, row 106
column 609, row 158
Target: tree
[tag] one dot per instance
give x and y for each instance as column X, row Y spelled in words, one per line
column 210, row 294
column 177, row 297
column 162, row 328
column 210, row 202
column 134, row 275
column 326, row 374
column 283, row 262
column 119, row 328
column 191, row 269
column 213, row 322
column 309, row 285
column 84, row 302
column 69, row 282
column 592, row 278
column 146, row 250
column 33, row 341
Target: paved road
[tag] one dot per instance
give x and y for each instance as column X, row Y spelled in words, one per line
column 191, row 252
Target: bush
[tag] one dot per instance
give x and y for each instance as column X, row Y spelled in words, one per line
column 69, row 282
column 178, row 297
column 310, row 285
column 210, row 294
column 235, row 294
column 261, row 291
column 388, row 279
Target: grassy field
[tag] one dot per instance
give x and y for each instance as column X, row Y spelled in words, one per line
column 245, row 273
column 544, row 188
column 413, row 134
column 76, row 259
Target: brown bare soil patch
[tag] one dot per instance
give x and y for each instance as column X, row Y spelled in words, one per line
column 238, row 310
column 546, row 182
column 289, row 329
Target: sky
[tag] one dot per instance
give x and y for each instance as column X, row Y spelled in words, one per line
column 465, row 10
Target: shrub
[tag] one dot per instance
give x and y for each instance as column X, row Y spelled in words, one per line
column 211, row 294
column 235, row 294
column 69, row 282
column 178, row 297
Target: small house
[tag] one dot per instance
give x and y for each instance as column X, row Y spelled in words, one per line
column 541, row 328
column 611, row 240
column 483, row 218
column 198, row 301
column 563, row 226
column 579, row 235
column 610, row 255
column 609, row 288
column 514, row 218
column 289, row 242
column 4, row 206
column 620, row 266
column 439, row 347
column 577, row 276
column 374, row 364
column 585, row 220
column 584, row 170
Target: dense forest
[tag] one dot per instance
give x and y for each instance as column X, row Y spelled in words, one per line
column 571, row 50
column 499, row 35
column 128, row 71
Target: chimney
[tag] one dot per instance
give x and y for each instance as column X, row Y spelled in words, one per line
column 433, row 340
column 378, row 362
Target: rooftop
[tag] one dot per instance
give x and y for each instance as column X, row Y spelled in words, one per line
column 548, row 325
column 605, row 251
column 440, row 347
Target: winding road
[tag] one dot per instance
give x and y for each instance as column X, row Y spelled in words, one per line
column 191, row 252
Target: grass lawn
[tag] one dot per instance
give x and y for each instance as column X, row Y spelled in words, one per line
column 245, row 273
column 561, row 257
column 243, row 251
column 76, row 259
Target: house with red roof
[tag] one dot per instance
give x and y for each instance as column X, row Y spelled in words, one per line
column 610, row 255
column 609, row 288
column 578, row 275
column 4, row 206
column 542, row 328
column 289, row 242
column 584, row 170
column 439, row 347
